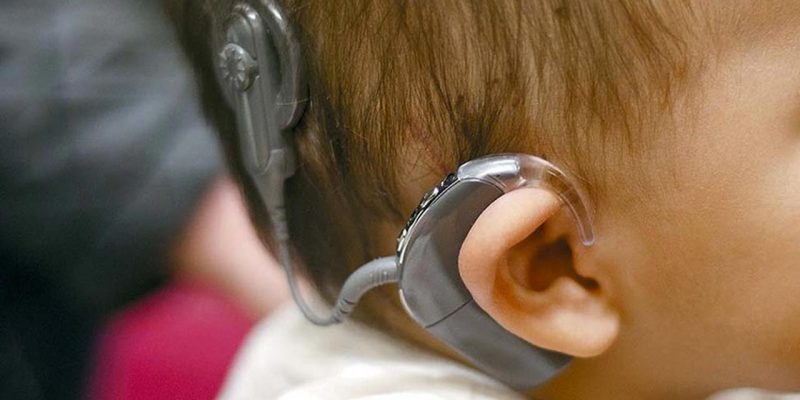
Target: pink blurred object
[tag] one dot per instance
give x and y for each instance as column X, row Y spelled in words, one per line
column 175, row 344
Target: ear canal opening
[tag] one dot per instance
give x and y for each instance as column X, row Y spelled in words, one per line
column 536, row 263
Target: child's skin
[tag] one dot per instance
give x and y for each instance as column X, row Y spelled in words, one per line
column 693, row 285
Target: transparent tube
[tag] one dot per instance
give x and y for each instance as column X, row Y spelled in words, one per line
column 513, row 171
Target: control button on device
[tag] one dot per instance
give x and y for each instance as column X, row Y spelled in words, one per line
column 428, row 197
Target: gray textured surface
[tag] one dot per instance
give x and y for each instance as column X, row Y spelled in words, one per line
column 103, row 151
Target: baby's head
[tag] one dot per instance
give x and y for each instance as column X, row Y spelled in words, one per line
column 679, row 117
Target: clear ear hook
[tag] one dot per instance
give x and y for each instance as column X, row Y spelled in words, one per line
column 514, row 171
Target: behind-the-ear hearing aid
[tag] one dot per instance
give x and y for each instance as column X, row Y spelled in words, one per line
column 260, row 68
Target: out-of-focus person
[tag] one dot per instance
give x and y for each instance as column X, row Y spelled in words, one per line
column 109, row 186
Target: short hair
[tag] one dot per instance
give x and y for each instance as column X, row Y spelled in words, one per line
column 395, row 83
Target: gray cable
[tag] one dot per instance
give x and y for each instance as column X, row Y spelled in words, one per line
column 375, row 273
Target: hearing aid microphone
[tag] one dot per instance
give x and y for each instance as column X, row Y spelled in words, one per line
column 261, row 73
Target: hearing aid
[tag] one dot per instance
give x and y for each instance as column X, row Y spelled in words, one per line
column 260, row 68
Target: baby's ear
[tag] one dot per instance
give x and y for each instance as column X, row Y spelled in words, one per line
column 517, row 262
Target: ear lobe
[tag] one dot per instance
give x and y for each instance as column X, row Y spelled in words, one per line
column 527, row 281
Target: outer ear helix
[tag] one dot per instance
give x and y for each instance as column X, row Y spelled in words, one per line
column 568, row 312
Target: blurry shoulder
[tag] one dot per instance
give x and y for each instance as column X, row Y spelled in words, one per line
column 286, row 357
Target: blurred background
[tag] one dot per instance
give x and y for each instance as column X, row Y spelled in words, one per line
column 128, row 267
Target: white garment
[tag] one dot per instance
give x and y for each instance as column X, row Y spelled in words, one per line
column 753, row 394
column 287, row 358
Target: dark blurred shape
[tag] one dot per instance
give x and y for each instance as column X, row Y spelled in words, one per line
column 102, row 160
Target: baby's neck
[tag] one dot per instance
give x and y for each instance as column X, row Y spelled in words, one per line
column 591, row 379
column 573, row 383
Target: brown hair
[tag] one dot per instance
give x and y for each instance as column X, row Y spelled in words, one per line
column 398, row 84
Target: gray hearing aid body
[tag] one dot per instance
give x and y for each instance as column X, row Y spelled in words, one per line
column 260, row 69
column 263, row 78
column 427, row 256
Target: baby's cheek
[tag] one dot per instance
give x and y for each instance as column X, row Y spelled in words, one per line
column 756, row 290
column 778, row 246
